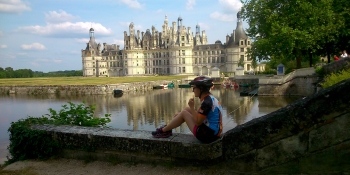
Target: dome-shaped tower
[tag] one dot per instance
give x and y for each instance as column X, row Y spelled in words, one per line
column 91, row 31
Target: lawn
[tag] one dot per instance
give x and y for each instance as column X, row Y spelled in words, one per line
column 83, row 80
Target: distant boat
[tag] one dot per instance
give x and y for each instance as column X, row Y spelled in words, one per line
column 158, row 87
column 234, row 85
column 162, row 86
column 184, row 86
column 171, row 85
column 117, row 92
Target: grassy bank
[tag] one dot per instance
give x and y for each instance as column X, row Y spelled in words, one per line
column 82, row 80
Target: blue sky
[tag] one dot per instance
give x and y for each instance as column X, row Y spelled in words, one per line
column 49, row 35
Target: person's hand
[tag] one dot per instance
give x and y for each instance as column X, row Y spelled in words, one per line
column 191, row 103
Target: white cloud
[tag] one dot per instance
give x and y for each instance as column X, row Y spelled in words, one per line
column 222, row 17
column 13, row 6
column 61, row 16
column 35, row 64
column 57, row 61
column 42, row 60
column 118, row 42
column 33, row 46
column 231, row 6
column 190, row 4
column 66, row 29
column 131, row 3
column 3, row 46
column 204, row 26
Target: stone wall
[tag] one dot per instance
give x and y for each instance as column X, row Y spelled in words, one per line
column 311, row 135
column 335, row 66
column 301, row 82
column 81, row 89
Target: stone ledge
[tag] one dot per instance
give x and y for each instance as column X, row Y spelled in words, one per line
column 128, row 142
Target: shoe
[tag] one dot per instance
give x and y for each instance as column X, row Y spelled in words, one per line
column 160, row 134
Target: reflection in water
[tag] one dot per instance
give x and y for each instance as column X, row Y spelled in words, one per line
column 137, row 110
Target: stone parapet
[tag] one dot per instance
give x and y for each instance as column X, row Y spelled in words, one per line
column 115, row 142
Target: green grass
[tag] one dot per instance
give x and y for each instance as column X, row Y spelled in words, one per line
column 83, row 80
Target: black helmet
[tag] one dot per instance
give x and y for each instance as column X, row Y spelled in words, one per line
column 202, row 81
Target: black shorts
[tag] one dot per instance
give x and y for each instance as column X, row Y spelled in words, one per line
column 204, row 133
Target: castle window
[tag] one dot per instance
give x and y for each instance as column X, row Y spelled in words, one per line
column 222, row 59
column 242, row 57
column 183, row 69
column 183, row 60
column 195, row 53
column 183, row 52
column 242, row 49
column 248, row 42
column 182, row 38
column 182, row 44
column 241, row 42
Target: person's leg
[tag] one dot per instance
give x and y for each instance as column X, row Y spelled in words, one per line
column 183, row 116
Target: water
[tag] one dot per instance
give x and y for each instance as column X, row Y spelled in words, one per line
column 137, row 110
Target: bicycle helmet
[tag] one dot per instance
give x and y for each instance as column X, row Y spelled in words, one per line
column 202, row 81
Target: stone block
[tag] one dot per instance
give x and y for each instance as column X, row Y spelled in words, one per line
column 243, row 163
column 335, row 159
column 188, row 147
column 282, row 151
column 258, row 133
column 330, row 134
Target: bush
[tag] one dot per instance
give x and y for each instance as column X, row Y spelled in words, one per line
column 79, row 115
column 26, row 143
column 335, row 78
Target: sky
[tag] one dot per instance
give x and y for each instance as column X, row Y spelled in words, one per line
column 49, row 35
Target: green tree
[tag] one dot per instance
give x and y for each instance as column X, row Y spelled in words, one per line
column 241, row 62
column 289, row 28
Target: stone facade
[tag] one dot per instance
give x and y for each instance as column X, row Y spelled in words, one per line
column 173, row 51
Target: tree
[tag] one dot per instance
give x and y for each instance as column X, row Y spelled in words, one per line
column 241, row 62
column 289, row 28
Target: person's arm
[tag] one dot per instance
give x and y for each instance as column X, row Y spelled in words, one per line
column 198, row 120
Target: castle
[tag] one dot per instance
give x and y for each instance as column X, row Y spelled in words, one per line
column 174, row 51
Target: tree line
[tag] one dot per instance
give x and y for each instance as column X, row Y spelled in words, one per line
column 9, row 72
column 297, row 30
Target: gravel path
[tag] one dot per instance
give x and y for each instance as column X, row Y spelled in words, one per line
column 78, row 167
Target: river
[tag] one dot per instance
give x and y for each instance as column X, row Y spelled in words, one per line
column 137, row 110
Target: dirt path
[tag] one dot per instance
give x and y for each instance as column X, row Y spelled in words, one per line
column 78, row 167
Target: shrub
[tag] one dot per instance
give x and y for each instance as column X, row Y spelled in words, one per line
column 26, row 143
column 335, row 78
column 79, row 115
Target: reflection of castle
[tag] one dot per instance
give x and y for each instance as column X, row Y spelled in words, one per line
column 236, row 107
column 175, row 50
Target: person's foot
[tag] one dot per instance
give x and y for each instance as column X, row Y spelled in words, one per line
column 160, row 134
